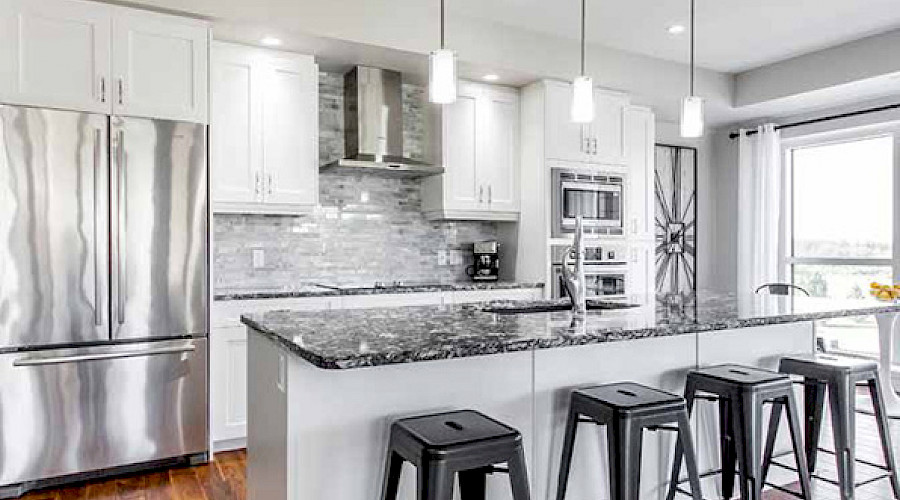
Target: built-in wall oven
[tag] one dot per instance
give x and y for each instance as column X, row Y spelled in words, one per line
column 606, row 275
column 595, row 195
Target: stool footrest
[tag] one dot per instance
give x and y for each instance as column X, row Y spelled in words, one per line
column 860, row 460
column 668, row 428
column 884, row 475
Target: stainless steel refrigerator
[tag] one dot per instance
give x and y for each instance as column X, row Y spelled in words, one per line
column 103, row 294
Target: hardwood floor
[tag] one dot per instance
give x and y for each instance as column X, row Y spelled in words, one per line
column 221, row 479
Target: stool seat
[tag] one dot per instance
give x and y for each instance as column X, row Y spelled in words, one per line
column 739, row 375
column 455, row 428
column 823, row 365
column 627, row 396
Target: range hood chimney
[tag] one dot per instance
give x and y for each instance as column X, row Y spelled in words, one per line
column 373, row 125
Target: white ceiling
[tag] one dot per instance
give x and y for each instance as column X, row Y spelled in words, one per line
column 732, row 35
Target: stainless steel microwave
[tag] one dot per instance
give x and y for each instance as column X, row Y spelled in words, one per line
column 595, row 195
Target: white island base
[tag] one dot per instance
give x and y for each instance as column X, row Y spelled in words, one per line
column 317, row 434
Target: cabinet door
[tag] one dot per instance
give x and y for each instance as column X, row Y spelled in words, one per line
column 641, row 279
column 606, row 131
column 159, row 66
column 290, row 131
column 565, row 140
column 235, row 132
column 55, row 53
column 640, row 134
column 498, row 149
column 462, row 190
column 228, row 383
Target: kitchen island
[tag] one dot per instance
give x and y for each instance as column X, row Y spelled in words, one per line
column 325, row 385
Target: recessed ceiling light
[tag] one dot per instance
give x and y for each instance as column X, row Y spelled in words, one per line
column 271, row 41
column 676, row 29
column 491, row 77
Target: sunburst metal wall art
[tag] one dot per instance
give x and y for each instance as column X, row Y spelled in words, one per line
column 676, row 219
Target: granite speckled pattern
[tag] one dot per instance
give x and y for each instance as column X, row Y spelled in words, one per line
column 343, row 339
column 319, row 290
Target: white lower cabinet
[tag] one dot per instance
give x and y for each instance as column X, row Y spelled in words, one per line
column 228, row 345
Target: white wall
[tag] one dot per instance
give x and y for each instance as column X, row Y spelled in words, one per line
column 667, row 133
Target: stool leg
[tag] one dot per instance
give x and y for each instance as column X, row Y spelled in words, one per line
column 814, row 399
column 686, row 441
column 392, row 468
column 884, row 429
column 435, row 481
column 679, row 449
column 793, row 416
column 625, row 442
column 771, row 435
column 842, row 403
column 748, row 442
column 565, row 462
column 472, row 484
column 518, row 475
column 726, row 447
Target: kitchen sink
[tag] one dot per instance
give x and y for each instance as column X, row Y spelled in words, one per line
column 552, row 306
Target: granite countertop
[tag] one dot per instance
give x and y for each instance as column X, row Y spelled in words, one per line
column 342, row 339
column 330, row 290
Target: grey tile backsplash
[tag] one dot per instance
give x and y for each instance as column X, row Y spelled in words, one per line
column 368, row 228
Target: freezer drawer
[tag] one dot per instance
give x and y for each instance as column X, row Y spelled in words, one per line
column 67, row 411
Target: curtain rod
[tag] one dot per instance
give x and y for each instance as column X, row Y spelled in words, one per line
column 735, row 135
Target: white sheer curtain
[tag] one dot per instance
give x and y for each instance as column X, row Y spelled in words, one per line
column 761, row 190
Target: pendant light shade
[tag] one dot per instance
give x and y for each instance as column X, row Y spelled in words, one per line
column 442, row 71
column 582, row 87
column 692, row 117
column 692, row 106
column 442, row 76
column 583, row 100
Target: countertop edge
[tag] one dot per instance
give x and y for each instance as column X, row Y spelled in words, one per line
column 329, row 292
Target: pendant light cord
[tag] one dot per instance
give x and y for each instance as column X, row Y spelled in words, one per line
column 582, row 35
column 442, row 24
column 692, row 47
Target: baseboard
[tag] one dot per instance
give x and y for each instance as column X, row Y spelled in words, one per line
column 229, row 444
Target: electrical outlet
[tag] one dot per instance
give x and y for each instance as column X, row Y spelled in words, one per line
column 443, row 258
column 258, row 256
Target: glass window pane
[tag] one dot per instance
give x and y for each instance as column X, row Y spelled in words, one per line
column 842, row 199
column 839, row 282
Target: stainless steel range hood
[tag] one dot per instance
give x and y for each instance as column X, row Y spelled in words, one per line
column 373, row 125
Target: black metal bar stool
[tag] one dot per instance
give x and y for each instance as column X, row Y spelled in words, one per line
column 839, row 376
column 741, row 392
column 626, row 409
column 441, row 445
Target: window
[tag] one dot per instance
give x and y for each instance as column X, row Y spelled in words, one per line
column 840, row 213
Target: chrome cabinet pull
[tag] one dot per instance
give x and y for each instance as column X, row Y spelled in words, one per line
column 594, row 144
column 80, row 358
column 490, row 194
column 98, row 300
column 121, row 83
column 269, row 176
column 103, row 89
column 257, row 185
column 121, row 252
column 481, row 194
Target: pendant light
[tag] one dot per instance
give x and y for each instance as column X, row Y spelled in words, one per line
column 692, row 106
column 582, row 87
column 442, row 71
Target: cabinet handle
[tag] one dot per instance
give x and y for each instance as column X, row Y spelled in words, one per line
column 490, row 194
column 270, row 182
column 257, row 185
column 103, row 89
column 480, row 194
column 121, row 84
column 594, row 144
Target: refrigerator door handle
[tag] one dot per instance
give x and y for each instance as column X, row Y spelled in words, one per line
column 121, row 251
column 80, row 358
column 98, row 300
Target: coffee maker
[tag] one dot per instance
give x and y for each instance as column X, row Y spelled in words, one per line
column 487, row 261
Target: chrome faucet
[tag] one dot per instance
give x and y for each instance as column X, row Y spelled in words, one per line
column 574, row 281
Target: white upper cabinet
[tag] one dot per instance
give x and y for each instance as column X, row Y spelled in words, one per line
column 598, row 142
column 640, row 136
column 263, row 130
column 159, row 66
column 480, row 142
column 87, row 56
column 55, row 54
